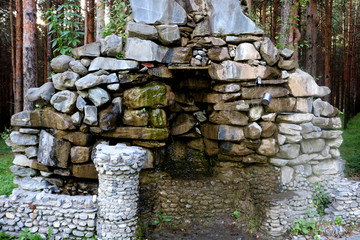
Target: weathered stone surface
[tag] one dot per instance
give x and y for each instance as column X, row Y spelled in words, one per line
column 138, row 133
column 22, row 160
column 289, row 151
column 219, row 54
column 31, row 183
column 302, row 84
column 232, row 106
column 31, row 152
column 112, row 64
column 227, row 88
column 109, row 117
column 99, row 96
column 327, row 123
column 23, row 139
column 149, row 144
column 246, row 51
column 327, row 167
column 289, row 129
column 85, row 61
column 56, row 120
column 92, row 80
column 233, row 149
column 312, row 145
column 334, row 143
column 268, row 147
column 286, row 53
column 80, row 103
column 281, row 105
column 151, row 95
column 158, row 118
column 295, row 118
column 158, row 12
column 161, row 72
column 253, row 131
column 243, row 38
column 324, row 109
column 76, row 118
column 41, row 95
column 53, row 152
column 308, row 128
column 23, row 171
column 303, row 105
column 284, row 74
column 183, row 124
column 111, row 45
column 61, row 63
column 218, row 97
column 255, row 113
column 270, row 117
column 144, row 50
column 168, row 34
column 135, row 117
column 88, row 50
column 234, row 71
column 222, row 132
column 76, row 138
column 229, row 118
column 268, row 129
column 77, row 67
column 64, row 101
column 269, row 52
column 142, row 31
column 90, row 117
column 287, row 174
column 287, row 64
column 80, row 154
column 226, row 18
column 65, row 80
column 331, row 134
column 178, row 55
column 84, row 171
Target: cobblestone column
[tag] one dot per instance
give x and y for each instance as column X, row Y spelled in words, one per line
column 118, row 168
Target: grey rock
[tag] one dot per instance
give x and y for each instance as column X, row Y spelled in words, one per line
column 287, row 174
column 142, row 31
column 61, row 63
column 295, row 118
column 287, row 64
column 65, row 80
column 326, row 167
column 253, row 131
column 86, row 62
column 255, row 113
column 92, row 80
column 29, row 130
column 64, row 101
column 111, row 45
column 284, row 74
column 289, row 129
column 99, row 96
column 80, row 103
column 76, row 118
column 88, row 50
column 286, row 53
column 279, row 162
column 227, row 88
column 158, row 12
column 202, row 29
column 41, row 95
column 113, row 87
column 23, row 139
column 269, row 52
column 246, row 51
column 331, row 134
column 324, row 109
column 244, row 38
column 77, row 67
column 23, row 171
column 90, row 117
column 53, row 152
column 112, row 64
column 289, row 151
column 226, row 18
column 312, row 145
column 144, row 50
column 31, row 152
column 168, row 34
column 31, row 183
column 335, row 143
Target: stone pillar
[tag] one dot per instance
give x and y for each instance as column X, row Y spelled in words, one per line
column 118, row 168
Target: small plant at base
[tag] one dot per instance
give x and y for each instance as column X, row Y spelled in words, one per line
column 338, row 221
column 5, row 135
column 236, row 214
column 161, row 219
column 302, row 226
column 320, row 198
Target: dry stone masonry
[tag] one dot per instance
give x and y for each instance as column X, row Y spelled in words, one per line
column 225, row 122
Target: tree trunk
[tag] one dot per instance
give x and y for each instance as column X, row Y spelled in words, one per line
column 264, row 14
column 285, row 23
column 13, row 63
column 248, row 4
column 327, row 45
column 347, row 78
column 311, row 36
column 294, row 34
column 343, row 82
column 19, row 58
column 100, row 19
column 90, row 22
column 274, row 20
column 29, row 49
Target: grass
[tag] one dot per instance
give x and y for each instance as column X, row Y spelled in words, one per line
column 6, row 176
column 350, row 149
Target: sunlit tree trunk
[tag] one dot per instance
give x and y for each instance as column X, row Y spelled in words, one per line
column 263, row 19
column 13, row 63
column 311, row 36
column 19, row 58
column 90, row 21
column 100, row 19
column 275, row 16
column 348, row 62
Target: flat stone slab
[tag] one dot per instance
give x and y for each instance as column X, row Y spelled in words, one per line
column 137, row 133
column 112, row 64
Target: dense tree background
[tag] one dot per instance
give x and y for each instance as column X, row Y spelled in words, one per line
column 324, row 34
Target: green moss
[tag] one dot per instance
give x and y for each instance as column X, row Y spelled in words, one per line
column 158, row 118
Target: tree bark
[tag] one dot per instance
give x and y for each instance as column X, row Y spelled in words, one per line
column 311, row 36
column 327, row 46
column 19, row 58
column 100, row 19
column 343, row 82
column 90, row 22
column 13, row 63
column 248, row 4
column 29, row 49
column 347, row 78
column 285, row 23
column 274, row 20
column 263, row 19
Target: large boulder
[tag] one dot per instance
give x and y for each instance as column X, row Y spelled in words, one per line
column 88, row 50
column 99, row 96
column 112, row 64
column 65, row 80
column 64, row 101
column 168, row 34
column 111, row 45
column 61, row 63
column 91, row 80
column 144, row 50
column 141, row 30
column 158, row 12
column 77, row 67
column 269, row 52
column 23, row 139
column 41, row 95
column 246, row 51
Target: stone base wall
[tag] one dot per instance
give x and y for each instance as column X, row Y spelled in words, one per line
column 70, row 217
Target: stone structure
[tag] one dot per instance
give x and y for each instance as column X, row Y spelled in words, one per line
column 189, row 91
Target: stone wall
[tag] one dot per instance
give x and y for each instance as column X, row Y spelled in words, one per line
column 189, row 90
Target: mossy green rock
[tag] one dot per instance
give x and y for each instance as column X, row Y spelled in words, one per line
column 158, row 118
column 151, row 95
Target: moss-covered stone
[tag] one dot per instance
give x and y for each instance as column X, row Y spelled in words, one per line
column 136, row 133
column 158, row 118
